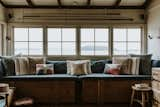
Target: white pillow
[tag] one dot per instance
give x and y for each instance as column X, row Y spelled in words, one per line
column 21, row 66
column 135, row 65
column 78, row 67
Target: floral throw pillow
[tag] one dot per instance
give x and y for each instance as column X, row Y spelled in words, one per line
column 42, row 69
column 114, row 69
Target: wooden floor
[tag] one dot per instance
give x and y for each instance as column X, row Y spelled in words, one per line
column 108, row 105
column 89, row 105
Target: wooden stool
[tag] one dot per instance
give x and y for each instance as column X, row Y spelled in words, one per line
column 144, row 96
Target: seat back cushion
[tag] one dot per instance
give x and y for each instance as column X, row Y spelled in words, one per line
column 78, row 67
column 32, row 63
column 145, row 64
column 155, row 63
column 99, row 65
column 9, row 65
column 22, row 66
column 2, row 73
column 125, row 62
column 60, row 67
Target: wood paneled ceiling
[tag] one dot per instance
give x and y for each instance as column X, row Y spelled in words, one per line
column 77, row 4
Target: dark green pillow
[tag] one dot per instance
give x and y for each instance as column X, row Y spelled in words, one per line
column 9, row 65
column 145, row 64
column 2, row 73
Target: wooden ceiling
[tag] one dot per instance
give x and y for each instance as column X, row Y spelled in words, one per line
column 77, row 4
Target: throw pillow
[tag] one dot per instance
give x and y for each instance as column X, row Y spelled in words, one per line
column 78, row 67
column 114, row 69
column 22, row 66
column 8, row 64
column 60, row 67
column 145, row 64
column 2, row 73
column 99, row 65
column 125, row 62
column 135, row 65
column 32, row 63
column 44, row 69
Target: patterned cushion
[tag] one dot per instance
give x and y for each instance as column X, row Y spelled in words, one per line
column 125, row 62
column 145, row 64
column 112, row 69
column 32, row 63
column 42, row 69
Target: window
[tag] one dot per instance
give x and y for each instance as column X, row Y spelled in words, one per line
column 94, row 41
column 28, row 41
column 61, row 41
column 126, row 41
column 88, row 42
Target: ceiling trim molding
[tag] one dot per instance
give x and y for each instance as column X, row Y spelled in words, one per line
column 76, row 7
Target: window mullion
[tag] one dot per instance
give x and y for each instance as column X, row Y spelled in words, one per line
column 78, row 42
column 61, row 42
column 28, row 41
column 45, row 43
column 94, row 43
column 110, row 41
column 126, row 40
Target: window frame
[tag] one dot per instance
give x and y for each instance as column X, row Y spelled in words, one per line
column 94, row 42
column 13, row 42
column 141, row 41
column 61, row 42
column 77, row 56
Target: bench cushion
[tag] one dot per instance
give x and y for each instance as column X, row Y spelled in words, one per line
column 109, row 76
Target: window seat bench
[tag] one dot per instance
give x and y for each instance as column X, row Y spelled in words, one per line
column 85, row 89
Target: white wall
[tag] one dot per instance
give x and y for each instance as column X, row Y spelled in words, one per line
column 2, row 14
column 3, row 28
column 154, row 29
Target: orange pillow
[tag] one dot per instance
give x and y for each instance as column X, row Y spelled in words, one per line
column 114, row 71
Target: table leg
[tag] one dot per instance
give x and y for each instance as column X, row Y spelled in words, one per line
column 132, row 97
column 6, row 100
column 143, row 99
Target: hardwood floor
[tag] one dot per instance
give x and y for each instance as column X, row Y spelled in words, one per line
column 88, row 105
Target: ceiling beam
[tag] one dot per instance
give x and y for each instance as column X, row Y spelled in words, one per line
column 30, row 3
column 147, row 3
column 59, row 3
column 76, row 7
column 2, row 3
column 88, row 2
column 117, row 3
